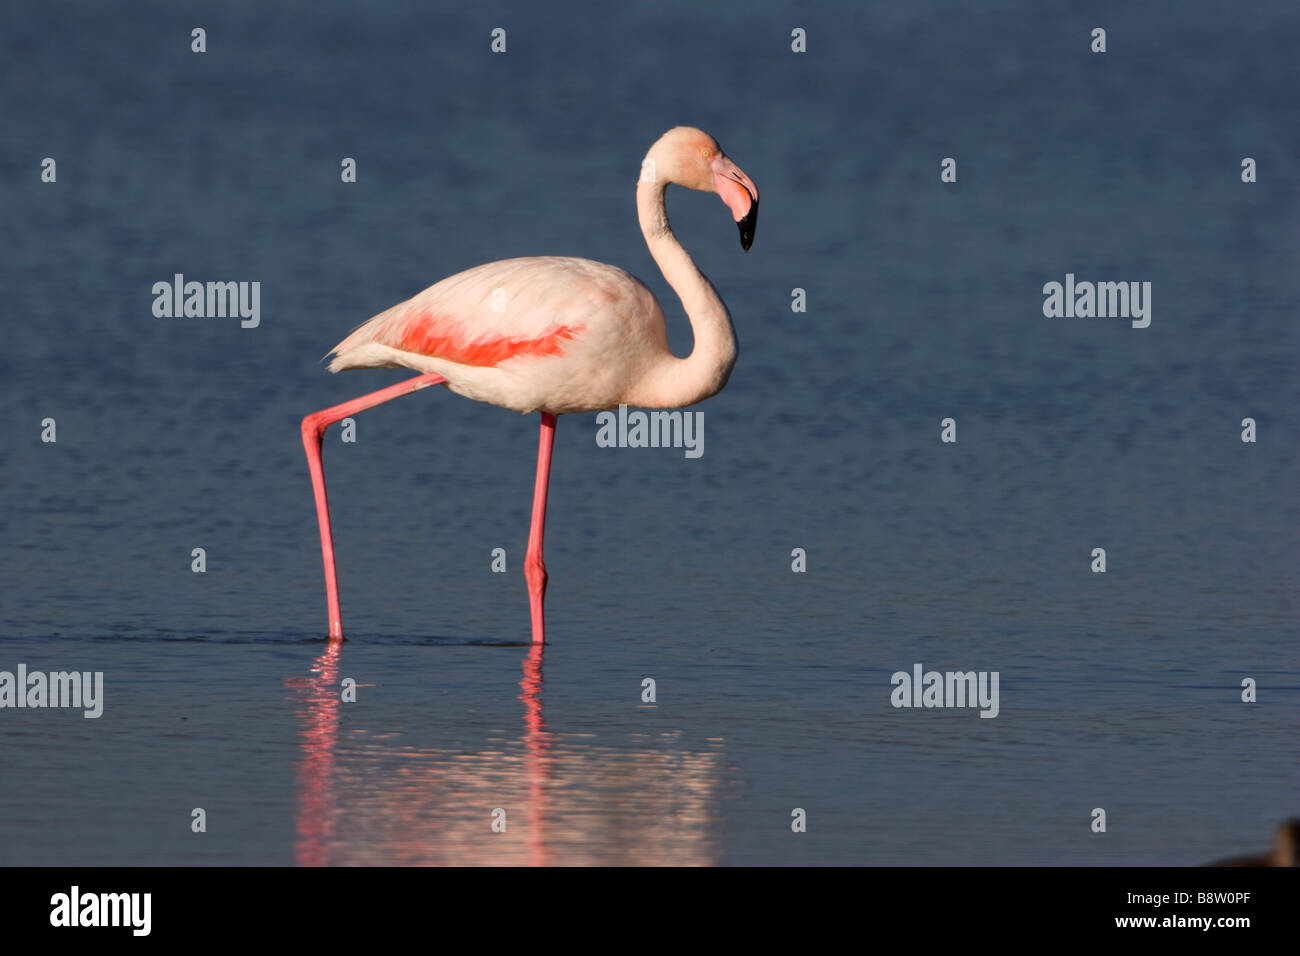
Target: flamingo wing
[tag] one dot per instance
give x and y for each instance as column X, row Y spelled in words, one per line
column 515, row 308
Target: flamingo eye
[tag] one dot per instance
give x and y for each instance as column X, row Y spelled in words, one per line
column 706, row 153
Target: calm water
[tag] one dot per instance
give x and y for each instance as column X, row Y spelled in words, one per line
column 1118, row 691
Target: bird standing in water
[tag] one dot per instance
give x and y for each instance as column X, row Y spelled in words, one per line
column 555, row 335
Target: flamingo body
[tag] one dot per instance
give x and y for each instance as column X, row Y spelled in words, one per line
column 546, row 333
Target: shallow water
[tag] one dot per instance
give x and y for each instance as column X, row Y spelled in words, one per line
column 1119, row 691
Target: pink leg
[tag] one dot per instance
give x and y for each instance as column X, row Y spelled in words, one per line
column 313, row 430
column 534, row 569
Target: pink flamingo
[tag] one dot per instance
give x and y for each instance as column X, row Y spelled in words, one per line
column 555, row 335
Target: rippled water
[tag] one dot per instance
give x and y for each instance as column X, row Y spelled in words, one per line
column 1118, row 691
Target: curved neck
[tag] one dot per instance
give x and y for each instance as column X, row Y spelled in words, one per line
column 675, row 382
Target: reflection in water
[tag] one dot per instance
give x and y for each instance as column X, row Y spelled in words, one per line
column 537, row 765
column 318, row 709
column 568, row 800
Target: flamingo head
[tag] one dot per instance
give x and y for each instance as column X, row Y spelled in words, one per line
column 692, row 158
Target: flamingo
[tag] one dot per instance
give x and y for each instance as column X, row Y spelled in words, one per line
column 555, row 335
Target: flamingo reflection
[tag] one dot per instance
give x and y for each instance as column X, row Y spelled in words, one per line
column 569, row 800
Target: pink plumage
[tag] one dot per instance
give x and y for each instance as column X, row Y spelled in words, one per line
column 550, row 333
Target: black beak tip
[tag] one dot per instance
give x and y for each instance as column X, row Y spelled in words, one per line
column 747, row 226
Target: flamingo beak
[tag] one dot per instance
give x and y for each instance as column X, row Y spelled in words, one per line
column 739, row 193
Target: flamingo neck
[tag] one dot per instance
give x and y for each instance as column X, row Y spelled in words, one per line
column 674, row 382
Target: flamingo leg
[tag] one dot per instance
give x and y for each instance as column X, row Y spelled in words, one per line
column 534, row 569
column 313, row 431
